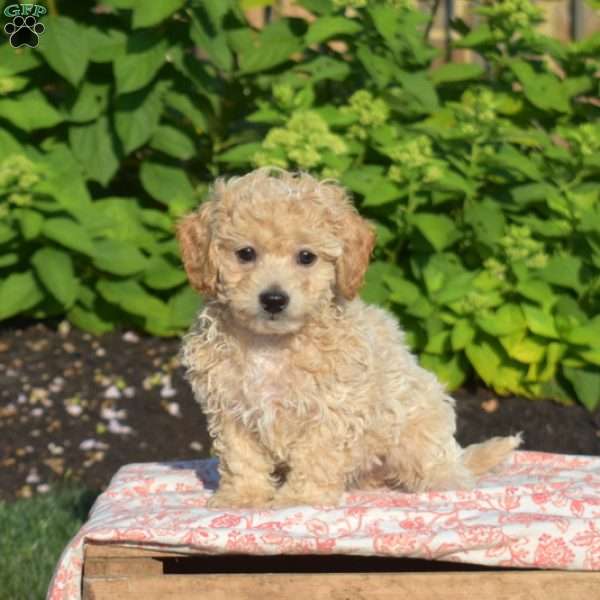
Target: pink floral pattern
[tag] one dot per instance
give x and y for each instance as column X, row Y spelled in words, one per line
column 539, row 510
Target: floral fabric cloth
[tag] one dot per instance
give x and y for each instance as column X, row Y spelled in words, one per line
column 537, row 511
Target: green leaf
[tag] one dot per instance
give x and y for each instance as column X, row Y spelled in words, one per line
column 130, row 296
column 385, row 19
column 403, row 291
column 211, row 39
column 586, row 334
column 543, row 90
column 118, row 257
column 106, row 45
column 457, row 287
column 166, row 184
column 324, row 67
column 383, row 192
column 147, row 14
column 8, row 259
column 440, row 231
column 8, row 144
column 485, row 358
column 242, row 153
column 158, row 219
column 18, row 60
column 7, row 233
column 65, row 48
column 380, row 69
column 188, row 108
column 419, row 87
column 375, row 290
column 162, row 275
column 54, row 268
column 586, row 383
column 91, row 101
column 69, row 234
column 137, row 116
column 462, row 334
column 119, row 218
column 487, row 219
column 531, row 193
column 568, row 314
column 19, row 293
column 183, row 307
column 145, row 56
column 64, row 181
column 247, row 4
column 451, row 72
column 453, row 182
column 525, row 349
column 563, row 270
column 318, row 7
column 31, row 223
column 554, row 352
column 480, row 36
column 275, row 44
column 30, row 111
column 513, row 160
column 11, row 83
column 95, row 148
column 438, row 343
column 326, row 28
column 537, row 291
column 216, row 11
column 449, row 369
column 364, row 178
column 539, row 321
column 506, row 320
column 89, row 321
column 173, row 142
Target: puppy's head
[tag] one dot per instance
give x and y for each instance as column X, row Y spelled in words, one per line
column 275, row 248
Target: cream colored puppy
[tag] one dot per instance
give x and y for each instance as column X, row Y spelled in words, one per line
column 308, row 391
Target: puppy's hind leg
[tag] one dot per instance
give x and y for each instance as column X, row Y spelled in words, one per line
column 425, row 456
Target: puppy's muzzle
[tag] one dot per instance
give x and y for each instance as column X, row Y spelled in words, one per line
column 273, row 300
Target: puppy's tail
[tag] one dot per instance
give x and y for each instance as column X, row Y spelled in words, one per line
column 480, row 458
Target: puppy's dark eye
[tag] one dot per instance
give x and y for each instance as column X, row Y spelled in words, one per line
column 306, row 257
column 246, row 255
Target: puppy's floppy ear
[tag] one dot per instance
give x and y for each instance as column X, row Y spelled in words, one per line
column 358, row 238
column 194, row 236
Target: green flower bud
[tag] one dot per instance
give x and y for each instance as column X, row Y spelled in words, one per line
column 20, row 199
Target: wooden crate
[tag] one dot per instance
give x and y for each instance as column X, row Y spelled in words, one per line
column 120, row 573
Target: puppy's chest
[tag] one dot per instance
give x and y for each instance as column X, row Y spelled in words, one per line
column 271, row 380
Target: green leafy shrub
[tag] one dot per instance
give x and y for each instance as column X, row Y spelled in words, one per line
column 481, row 177
column 103, row 262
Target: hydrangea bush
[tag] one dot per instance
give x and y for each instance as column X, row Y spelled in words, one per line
column 480, row 177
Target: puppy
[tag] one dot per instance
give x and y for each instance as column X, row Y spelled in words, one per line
column 296, row 374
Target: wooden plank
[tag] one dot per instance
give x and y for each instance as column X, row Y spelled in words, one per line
column 122, row 567
column 510, row 585
column 95, row 550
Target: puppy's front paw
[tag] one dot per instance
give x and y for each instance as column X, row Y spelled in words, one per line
column 232, row 498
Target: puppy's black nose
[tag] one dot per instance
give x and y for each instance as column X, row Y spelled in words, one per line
column 274, row 300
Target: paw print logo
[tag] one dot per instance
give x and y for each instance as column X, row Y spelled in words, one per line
column 24, row 32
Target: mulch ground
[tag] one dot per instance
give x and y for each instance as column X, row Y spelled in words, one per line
column 76, row 407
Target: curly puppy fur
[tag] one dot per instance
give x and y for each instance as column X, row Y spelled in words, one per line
column 323, row 389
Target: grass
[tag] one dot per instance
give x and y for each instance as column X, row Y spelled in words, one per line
column 33, row 534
